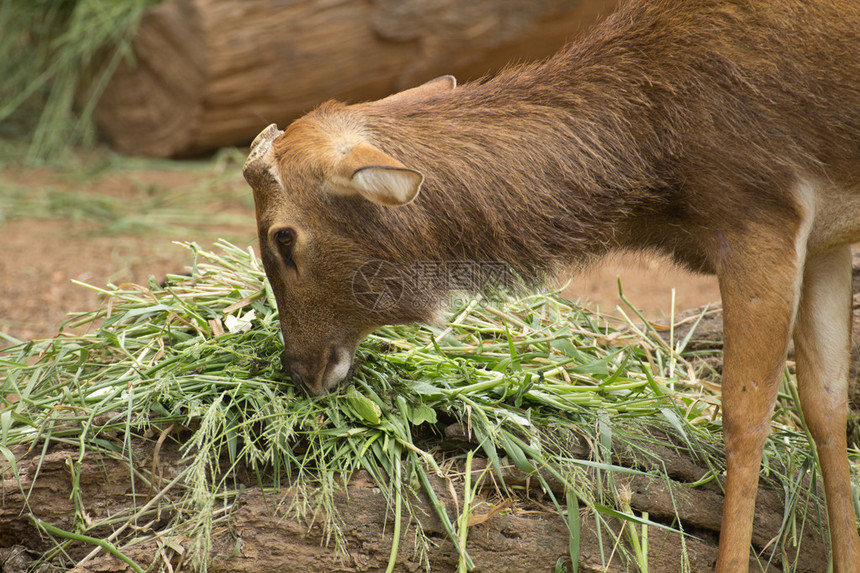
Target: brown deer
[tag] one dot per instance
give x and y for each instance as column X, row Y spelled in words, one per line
column 725, row 133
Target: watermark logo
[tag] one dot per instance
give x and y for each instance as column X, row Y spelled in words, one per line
column 377, row 285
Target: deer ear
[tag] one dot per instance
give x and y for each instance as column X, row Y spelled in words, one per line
column 389, row 186
column 376, row 176
column 435, row 86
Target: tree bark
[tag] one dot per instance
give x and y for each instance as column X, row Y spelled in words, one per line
column 264, row 535
column 210, row 73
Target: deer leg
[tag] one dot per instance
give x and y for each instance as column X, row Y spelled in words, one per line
column 759, row 276
column 822, row 344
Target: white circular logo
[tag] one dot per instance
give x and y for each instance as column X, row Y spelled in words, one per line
column 377, row 285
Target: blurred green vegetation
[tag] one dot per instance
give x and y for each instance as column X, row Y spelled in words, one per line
column 56, row 57
column 118, row 195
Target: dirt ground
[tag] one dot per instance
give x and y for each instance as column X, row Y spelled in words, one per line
column 42, row 256
column 44, row 250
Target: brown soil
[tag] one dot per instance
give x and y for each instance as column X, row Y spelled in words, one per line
column 41, row 257
column 647, row 282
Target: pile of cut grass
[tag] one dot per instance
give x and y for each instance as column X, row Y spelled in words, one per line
column 525, row 376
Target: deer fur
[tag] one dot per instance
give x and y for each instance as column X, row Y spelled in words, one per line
column 724, row 133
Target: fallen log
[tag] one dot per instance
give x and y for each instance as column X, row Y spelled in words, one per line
column 265, row 534
column 209, row 73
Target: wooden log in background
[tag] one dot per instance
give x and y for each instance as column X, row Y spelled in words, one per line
column 210, row 73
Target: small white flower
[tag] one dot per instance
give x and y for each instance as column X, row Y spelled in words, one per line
column 99, row 392
column 524, row 422
column 243, row 324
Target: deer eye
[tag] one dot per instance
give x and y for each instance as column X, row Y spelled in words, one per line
column 284, row 239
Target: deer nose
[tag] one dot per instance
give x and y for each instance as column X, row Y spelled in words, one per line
column 324, row 375
column 297, row 377
column 293, row 367
column 304, row 381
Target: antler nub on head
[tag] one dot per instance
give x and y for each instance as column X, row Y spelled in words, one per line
column 260, row 169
